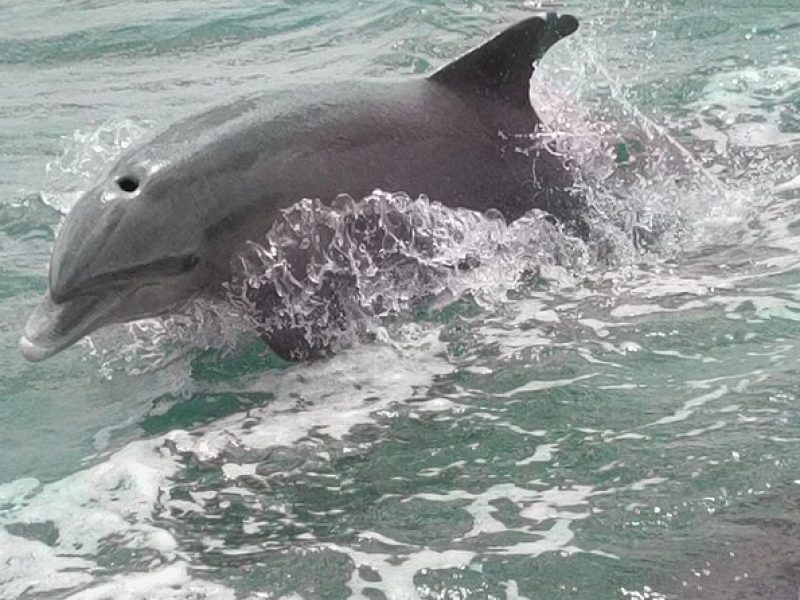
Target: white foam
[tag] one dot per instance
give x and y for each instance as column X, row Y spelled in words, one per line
column 32, row 566
column 544, row 453
column 732, row 108
column 788, row 186
column 397, row 570
column 361, row 377
column 171, row 582
column 690, row 405
column 538, row 386
column 116, row 499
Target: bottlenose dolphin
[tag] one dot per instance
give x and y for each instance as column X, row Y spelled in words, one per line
column 162, row 226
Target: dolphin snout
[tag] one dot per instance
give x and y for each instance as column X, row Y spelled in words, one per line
column 38, row 339
column 54, row 326
column 32, row 351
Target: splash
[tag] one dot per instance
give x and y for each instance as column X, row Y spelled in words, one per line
column 339, row 272
column 650, row 195
column 86, row 156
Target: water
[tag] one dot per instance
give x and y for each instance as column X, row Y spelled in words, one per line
column 617, row 420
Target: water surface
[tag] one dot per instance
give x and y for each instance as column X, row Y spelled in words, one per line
column 616, row 420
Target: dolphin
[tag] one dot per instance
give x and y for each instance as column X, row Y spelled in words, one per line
column 161, row 227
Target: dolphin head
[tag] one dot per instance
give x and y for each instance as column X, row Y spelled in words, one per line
column 129, row 249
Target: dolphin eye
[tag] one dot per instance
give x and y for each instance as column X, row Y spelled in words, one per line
column 128, row 183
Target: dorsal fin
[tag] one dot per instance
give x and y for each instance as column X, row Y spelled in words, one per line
column 502, row 67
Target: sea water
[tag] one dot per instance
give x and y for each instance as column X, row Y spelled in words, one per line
column 612, row 418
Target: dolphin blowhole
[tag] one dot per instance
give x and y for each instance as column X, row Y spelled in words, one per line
column 128, row 183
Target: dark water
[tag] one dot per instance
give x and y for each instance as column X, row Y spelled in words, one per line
column 619, row 421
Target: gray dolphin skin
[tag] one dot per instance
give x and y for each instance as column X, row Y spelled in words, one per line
column 161, row 227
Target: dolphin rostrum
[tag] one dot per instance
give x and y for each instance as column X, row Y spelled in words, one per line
column 161, row 227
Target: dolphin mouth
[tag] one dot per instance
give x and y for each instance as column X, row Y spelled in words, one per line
column 53, row 327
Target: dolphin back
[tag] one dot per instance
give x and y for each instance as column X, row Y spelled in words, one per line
column 501, row 69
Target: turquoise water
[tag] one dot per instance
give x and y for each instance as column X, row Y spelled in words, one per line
column 616, row 420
